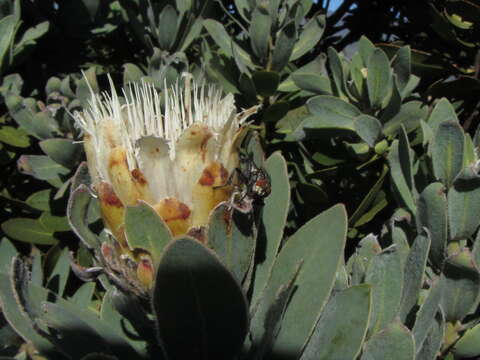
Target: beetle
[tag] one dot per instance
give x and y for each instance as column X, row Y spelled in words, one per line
column 252, row 186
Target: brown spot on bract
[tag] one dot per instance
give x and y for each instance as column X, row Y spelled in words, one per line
column 139, row 253
column 228, row 218
column 109, row 129
column 117, row 245
column 227, row 215
column 147, row 263
column 138, row 176
column 224, row 175
column 112, row 211
column 207, row 178
column 145, row 272
column 107, row 252
column 119, row 234
column 184, row 211
column 172, row 209
column 107, row 195
column 175, row 214
column 117, row 157
column 213, row 175
column 441, row 191
column 198, row 233
column 203, row 145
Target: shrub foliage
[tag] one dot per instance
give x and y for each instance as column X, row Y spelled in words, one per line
column 367, row 125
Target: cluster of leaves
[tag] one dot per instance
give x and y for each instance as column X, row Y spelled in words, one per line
column 388, row 130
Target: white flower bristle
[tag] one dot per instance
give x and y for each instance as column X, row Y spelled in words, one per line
column 141, row 114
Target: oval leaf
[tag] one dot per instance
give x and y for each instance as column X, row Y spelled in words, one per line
column 14, row 136
column 442, row 112
column 318, row 246
column 462, row 279
column 77, row 213
column 219, row 35
column 312, row 82
column 431, row 346
column 260, row 25
column 425, row 317
column 274, row 216
column 197, row 297
column 266, row 82
column 19, row 320
column 385, row 275
column 432, row 214
column 231, row 236
column 379, row 78
column 339, row 334
column 29, row 230
column 167, row 24
column 401, row 170
column 464, row 204
column 410, row 115
column 284, row 46
column 146, row 230
column 447, row 152
column 63, row 151
column 469, row 344
column 334, row 108
column 395, row 342
column 413, row 274
column 309, row 37
column 368, row 128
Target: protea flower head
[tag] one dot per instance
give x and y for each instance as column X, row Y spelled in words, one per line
column 174, row 150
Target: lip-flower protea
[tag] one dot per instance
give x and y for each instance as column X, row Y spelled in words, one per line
column 176, row 155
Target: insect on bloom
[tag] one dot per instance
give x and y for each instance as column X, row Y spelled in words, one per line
column 174, row 150
column 252, row 185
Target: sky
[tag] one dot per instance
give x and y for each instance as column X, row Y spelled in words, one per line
column 334, row 4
